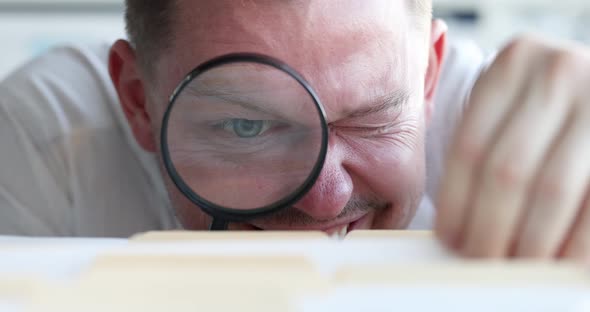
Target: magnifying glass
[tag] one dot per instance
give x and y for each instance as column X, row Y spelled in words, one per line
column 244, row 135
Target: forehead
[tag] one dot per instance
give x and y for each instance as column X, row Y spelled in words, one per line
column 348, row 50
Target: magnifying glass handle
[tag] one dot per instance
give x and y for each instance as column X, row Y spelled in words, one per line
column 218, row 225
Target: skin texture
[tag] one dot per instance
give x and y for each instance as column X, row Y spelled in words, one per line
column 355, row 62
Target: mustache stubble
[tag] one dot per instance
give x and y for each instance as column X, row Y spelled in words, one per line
column 291, row 216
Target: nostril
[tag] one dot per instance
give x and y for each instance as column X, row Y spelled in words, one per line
column 329, row 196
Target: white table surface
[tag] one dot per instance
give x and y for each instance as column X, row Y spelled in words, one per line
column 64, row 259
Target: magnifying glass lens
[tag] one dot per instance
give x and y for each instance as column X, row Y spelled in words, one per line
column 244, row 136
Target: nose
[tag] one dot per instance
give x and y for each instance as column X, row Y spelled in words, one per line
column 333, row 188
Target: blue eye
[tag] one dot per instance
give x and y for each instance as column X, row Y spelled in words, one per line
column 245, row 128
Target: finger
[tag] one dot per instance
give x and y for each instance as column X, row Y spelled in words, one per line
column 558, row 192
column 508, row 173
column 577, row 246
column 488, row 108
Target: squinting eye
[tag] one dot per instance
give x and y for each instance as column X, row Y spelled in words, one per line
column 245, row 128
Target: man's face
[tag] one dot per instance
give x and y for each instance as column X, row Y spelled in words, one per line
column 359, row 56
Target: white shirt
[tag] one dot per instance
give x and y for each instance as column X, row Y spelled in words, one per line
column 71, row 167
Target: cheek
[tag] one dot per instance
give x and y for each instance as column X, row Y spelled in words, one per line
column 190, row 216
column 393, row 169
column 399, row 171
column 396, row 175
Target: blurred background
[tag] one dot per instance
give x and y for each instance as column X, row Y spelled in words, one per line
column 29, row 27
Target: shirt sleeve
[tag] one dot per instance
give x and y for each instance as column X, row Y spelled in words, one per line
column 47, row 108
column 70, row 165
column 34, row 197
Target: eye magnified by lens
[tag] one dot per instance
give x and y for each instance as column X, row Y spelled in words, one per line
column 244, row 137
column 247, row 128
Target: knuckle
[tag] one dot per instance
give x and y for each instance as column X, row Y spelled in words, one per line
column 560, row 67
column 470, row 152
column 550, row 190
column 516, row 50
column 508, row 175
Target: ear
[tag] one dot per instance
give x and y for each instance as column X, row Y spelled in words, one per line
column 125, row 74
column 437, row 48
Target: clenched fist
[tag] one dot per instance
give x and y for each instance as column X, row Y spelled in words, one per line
column 517, row 181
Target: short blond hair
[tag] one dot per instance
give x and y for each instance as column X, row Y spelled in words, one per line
column 425, row 6
column 149, row 24
column 422, row 11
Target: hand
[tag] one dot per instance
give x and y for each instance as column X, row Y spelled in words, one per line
column 517, row 181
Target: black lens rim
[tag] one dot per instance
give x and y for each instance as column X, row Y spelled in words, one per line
column 212, row 209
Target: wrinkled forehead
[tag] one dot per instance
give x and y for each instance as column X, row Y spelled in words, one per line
column 340, row 47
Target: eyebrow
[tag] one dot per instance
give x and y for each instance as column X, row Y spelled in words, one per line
column 395, row 99
column 237, row 100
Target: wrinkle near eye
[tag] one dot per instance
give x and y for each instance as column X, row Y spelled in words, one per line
column 366, row 132
column 404, row 133
column 377, row 123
